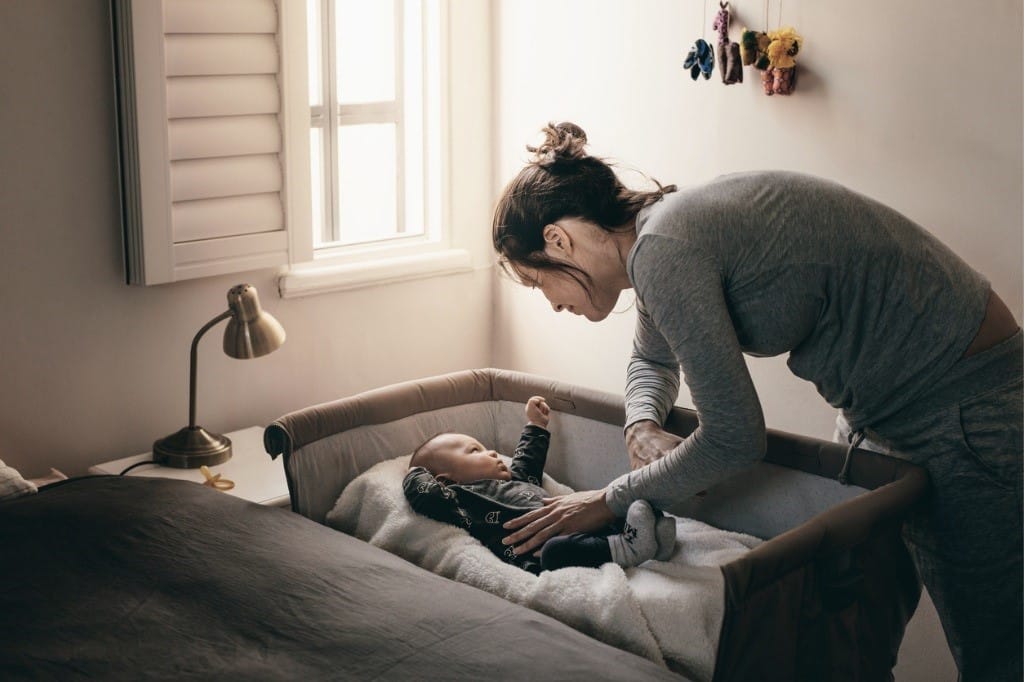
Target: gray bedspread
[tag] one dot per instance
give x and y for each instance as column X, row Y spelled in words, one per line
column 136, row 578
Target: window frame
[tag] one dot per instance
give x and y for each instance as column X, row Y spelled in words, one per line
column 337, row 268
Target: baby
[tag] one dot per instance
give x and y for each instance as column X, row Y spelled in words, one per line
column 454, row 479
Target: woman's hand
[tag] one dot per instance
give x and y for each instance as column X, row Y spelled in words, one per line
column 648, row 442
column 578, row 512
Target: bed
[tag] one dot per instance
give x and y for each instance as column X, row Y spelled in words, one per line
column 825, row 594
column 121, row 578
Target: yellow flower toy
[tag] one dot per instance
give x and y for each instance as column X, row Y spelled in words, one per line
column 779, row 75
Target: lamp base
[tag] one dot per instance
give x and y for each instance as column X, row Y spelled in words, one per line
column 191, row 448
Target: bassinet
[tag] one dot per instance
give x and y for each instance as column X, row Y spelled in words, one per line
column 827, row 596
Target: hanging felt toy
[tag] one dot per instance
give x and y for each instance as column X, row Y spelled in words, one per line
column 773, row 54
column 700, row 60
column 784, row 46
column 753, row 48
column 729, row 64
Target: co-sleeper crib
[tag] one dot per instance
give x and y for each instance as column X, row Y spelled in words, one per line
column 826, row 596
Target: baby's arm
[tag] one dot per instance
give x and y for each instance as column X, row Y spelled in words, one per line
column 430, row 498
column 537, row 411
column 532, row 451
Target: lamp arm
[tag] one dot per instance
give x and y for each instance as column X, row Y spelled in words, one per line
column 192, row 367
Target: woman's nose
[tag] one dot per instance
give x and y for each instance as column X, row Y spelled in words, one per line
column 558, row 307
column 493, row 454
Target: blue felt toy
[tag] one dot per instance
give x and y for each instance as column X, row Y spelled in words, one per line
column 700, row 60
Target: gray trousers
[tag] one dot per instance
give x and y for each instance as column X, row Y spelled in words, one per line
column 966, row 538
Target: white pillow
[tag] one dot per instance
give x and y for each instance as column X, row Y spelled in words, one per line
column 12, row 484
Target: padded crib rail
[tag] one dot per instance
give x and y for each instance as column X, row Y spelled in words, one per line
column 292, row 431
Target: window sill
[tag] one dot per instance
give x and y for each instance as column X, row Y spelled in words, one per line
column 310, row 280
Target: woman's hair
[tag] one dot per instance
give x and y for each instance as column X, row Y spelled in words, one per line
column 562, row 181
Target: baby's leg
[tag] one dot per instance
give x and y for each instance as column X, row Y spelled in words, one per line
column 665, row 531
column 578, row 549
column 638, row 541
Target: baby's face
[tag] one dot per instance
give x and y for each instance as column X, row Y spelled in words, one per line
column 462, row 459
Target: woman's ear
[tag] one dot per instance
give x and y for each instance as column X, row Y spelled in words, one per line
column 557, row 239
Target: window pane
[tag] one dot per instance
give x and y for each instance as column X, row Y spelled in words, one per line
column 432, row 113
column 313, row 43
column 321, row 228
column 365, row 44
column 413, row 142
column 367, row 182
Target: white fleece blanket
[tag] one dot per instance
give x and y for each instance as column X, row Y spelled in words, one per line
column 670, row 612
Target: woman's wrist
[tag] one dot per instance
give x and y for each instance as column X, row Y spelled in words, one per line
column 609, row 505
column 639, row 428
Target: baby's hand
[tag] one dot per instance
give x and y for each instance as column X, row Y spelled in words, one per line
column 537, row 411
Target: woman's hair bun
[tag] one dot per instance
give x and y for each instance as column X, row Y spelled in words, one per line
column 563, row 143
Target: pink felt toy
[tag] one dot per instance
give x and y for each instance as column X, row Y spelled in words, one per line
column 729, row 62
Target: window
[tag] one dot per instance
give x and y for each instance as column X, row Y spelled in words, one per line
column 375, row 122
column 304, row 134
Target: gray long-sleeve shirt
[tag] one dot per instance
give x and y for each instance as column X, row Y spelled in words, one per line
column 870, row 307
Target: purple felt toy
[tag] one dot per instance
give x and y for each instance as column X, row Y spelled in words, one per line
column 729, row 62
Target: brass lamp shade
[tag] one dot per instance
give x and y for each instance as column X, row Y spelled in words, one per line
column 250, row 333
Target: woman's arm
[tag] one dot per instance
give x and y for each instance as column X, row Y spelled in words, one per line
column 652, row 386
column 682, row 289
column 652, row 376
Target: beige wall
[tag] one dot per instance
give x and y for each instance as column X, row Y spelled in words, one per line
column 938, row 137
column 92, row 369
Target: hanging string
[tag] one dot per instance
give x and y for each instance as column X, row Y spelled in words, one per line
column 766, row 15
column 779, row 24
column 704, row 23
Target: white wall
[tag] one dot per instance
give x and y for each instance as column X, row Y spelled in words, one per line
column 92, row 369
column 884, row 104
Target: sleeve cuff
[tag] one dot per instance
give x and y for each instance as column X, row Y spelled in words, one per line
column 617, row 496
column 643, row 414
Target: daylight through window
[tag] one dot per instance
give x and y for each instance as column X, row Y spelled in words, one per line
column 374, row 69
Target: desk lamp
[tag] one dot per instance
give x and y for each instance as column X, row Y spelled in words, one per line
column 250, row 333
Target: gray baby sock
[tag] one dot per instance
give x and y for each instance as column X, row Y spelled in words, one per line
column 637, row 543
column 665, row 531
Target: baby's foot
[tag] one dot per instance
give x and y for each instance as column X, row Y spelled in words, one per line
column 665, row 532
column 637, row 543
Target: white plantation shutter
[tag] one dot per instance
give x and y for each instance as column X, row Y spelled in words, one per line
column 214, row 165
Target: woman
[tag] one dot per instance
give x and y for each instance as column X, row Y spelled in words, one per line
column 918, row 353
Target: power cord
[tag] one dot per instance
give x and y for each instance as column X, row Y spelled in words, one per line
column 137, row 464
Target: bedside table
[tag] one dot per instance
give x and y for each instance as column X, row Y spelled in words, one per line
column 257, row 477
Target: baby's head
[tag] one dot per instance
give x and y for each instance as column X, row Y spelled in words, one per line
column 459, row 458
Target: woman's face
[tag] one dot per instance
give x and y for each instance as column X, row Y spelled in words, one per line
column 564, row 292
column 585, row 246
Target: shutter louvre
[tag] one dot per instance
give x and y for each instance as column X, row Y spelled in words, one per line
column 200, row 138
column 227, row 217
column 220, row 54
column 194, row 96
